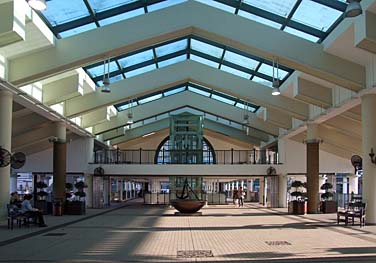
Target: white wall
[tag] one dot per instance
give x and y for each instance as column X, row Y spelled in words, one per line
column 295, row 159
column 77, row 158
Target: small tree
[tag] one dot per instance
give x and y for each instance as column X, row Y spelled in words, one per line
column 328, row 195
column 68, row 190
column 80, row 189
column 41, row 193
column 298, row 185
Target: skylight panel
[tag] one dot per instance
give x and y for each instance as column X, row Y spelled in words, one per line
column 259, row 19
column 164, row 4
column 151, row 98
column 77, row 30
column 241, row 105
column 236, row 125
column 268, row 70
column 136, row 58
column 171, row 48
column 102, row 5
column 218, row 5
column 140, row 71
column 204, row 61
column 223, row 99
column 240, row 60
column 149, row 120
column 199, row 91
column 123, row 16
column 316, row 15
column 262, row 81
column 235, row 72
column 59, row 12
column 116, row 78
column 206, row 48
column 282, row 8
column 301, row 34
column 174, row 91
column 171, row 61
column 98, row 70
column 126, row 106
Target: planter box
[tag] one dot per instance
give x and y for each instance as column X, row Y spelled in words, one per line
column 75, row 208
column 297, row 208
column 327, row 207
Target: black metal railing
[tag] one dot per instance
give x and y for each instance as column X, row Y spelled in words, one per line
column 142, row 156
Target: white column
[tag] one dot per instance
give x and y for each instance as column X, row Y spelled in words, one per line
column 282, row 190
column 126, row 189
column 89, row 190
column 6, row 104
column 353, row 184
column 368, row 142
column 13, row 182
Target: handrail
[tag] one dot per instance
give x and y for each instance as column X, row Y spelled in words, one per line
column 145, row 156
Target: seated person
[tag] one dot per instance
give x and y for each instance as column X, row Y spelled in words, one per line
column 15, row 200
column 27, row 209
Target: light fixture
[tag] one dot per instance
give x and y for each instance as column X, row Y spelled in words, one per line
column 106, row 77
column 245, row 113
column 148, row 134
column 353, row 9
column 275, row 83
column 37, row 4
column 130, row 113
column 125, row 128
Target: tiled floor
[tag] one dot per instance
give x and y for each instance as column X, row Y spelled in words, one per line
column 223, row 233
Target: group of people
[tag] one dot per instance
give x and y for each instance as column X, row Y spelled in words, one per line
column 238, row 197
column 25, row 207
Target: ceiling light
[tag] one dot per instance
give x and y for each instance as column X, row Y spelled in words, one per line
column 37, row 4
column 106, row 77
column 275, row 83
column 148, row 134
column 353, row 8
column 130, row 118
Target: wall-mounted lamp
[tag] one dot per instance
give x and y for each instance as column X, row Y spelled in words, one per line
column 372, row 155
column 37, row 4
column 353, row 9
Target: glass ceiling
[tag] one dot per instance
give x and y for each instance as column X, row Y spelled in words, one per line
column 309, row 19
column 209, row 116
column 198, row 89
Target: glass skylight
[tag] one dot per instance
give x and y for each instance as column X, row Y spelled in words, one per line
column 102, row 5
column 206, row 48
column 163, row 4
column 170, row 61
column 278, row 7
column 99, row 70
column 136, row 58
column 123, row 16
column 171, row 47
column 218, row 5
column 259, row 19
column 174, row 91
column 223, row 99
column 240, row 60
column 77, row 30
column 199, row 91
column 151, row 98
column 59, row 12
column 205, row 61
column 140, row 71
column 236, row 72
column 301, row 34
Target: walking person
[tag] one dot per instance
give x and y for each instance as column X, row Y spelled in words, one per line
column 241, row 195
column 235, row 197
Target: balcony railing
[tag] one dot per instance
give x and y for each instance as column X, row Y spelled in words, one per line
column 142, row 156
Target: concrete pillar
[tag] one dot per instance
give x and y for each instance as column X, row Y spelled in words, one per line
column 313, row 188
column 368, row 143
column 282, row 190
column 353, row 184
column 89, row 190
column 59, row 161
column 13, row 182
column 6, row 99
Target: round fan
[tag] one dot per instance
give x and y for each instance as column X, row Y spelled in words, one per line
column 271, row 171
column 356, row 161
column 99, row 171
column 18, row 160
column 5, row 157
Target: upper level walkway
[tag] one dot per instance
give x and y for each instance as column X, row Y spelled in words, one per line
column 138, row 233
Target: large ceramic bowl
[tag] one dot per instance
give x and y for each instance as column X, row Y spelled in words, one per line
column 187, row 206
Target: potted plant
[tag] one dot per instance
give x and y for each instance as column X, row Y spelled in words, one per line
column 77, row 206
column 327, row 205
column 298, row 205
column 41, row 202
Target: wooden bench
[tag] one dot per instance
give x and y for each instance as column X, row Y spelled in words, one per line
column 353, row 211
column 15, row 216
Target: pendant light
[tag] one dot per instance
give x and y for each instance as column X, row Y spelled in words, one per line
column 275, row 83
column 130, row 113
column 353, row 9
column 39, row 5
column 245, row 113
column 106, row 77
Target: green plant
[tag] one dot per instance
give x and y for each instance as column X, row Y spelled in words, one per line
column 328, row 195
column 41, row 193
column 41, row 184
column 298, row 193
column 80, row 189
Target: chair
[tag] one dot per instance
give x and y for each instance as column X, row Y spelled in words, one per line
column 353, row 211
column 15, row 215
